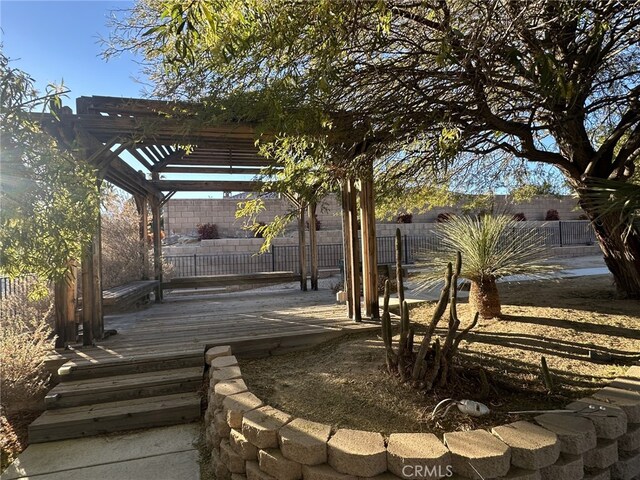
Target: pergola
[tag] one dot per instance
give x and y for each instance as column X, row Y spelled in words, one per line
column 168, row 143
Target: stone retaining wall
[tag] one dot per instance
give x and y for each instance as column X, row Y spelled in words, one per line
column 253, row 441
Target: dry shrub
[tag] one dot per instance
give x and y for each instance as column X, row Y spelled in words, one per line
column 122, row 248
column 25, row 341
column 26, row 338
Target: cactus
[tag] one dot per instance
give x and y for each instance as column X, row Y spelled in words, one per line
column 387, row 335
column 399, row 277
column 432, row 364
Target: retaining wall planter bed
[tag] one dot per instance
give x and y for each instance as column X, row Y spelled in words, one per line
column 253, row 441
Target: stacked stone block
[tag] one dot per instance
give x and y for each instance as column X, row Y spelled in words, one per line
column 253, row 441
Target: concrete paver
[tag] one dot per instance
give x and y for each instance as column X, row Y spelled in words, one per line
column 154, row 454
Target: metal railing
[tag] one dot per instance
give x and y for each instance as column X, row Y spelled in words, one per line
column 285, row 257
column 20, row 285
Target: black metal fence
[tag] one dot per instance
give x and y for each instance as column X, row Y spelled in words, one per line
column 20, row 285
column 285, row 258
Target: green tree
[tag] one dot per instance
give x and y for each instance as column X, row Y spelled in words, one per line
column 301, row 175
column 49, row 200
column 428, row 88
column 492, row 246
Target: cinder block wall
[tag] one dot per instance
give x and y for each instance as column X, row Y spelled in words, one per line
column 534, row 210
column 251, row 440
column 183, row 216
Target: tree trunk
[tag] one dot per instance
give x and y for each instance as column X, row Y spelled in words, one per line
column 484, row 297
column 621, row 252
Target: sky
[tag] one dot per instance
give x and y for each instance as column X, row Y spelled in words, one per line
column 59, row 40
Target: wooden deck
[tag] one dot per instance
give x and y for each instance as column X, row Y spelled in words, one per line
column 190, row 321
column 148, row 374
column 245, row 319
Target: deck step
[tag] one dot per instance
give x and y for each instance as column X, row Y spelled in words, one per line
column 144, row 362
column 96, row 419
column 124, row 387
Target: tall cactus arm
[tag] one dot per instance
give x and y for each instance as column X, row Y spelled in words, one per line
column 420, row 365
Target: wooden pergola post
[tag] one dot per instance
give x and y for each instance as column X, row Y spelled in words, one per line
column 302, row 248
column 157, row 245
column 143, row 212
column 313, row 245
column 346, row 245
column 369, row 253
column 354, row 251
column 65, row 301
column 92, row 315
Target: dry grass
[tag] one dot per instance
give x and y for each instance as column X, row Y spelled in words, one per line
column 344, row 383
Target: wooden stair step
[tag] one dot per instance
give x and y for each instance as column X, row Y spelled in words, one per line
column 88, row 420
column 141, row 362
column 124, row 387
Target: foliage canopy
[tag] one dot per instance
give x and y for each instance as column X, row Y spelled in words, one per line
column 49, row 198
column 467, row 91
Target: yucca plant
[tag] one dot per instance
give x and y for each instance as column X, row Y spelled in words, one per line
column 493, row 246
column 615, row 197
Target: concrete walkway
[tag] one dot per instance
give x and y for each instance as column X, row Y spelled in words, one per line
column 571, row 268
column 166, row 453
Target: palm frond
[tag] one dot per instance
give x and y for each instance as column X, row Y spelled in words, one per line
column 491, row 246
column 614, row 197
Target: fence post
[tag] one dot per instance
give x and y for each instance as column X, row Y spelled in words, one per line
column 406, row 249
column 273, row 258
column 195, row 264
column 560, row 231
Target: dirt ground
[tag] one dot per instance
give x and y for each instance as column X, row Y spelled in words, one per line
column 586, row 334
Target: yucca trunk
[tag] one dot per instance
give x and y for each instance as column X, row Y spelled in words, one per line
column 484, row 297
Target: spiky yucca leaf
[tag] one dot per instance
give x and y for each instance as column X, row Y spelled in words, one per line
column 491, row 246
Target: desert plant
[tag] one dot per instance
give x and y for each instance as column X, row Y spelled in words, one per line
column 520, row 217
column 25, row 341
column 552, row 215
column 493, row 247
column 432, row 364
column 208, row 231
column 404, row 218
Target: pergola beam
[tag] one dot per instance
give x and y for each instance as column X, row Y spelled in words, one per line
column 213, row 170
column 206, row 186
